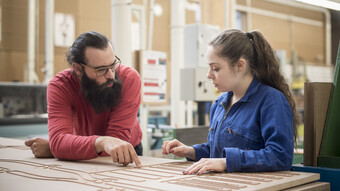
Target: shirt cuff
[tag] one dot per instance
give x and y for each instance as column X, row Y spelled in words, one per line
column 199, row 152
column 233, row 159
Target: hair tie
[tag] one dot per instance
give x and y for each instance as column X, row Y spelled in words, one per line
column 250, row 36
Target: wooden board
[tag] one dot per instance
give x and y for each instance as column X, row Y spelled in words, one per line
column 19, row 170
column 315, row 186
column 316, row 104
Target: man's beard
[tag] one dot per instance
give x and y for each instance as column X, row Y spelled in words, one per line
column 101, row 97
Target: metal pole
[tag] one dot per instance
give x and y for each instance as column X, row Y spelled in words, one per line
column 29, row 72
column 121, row 29
column 177, row 61
column 151, row 12
column 49, row 45
column 201, row 107
column 226, row 14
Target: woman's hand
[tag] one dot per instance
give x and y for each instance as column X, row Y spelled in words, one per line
column 207, row 164
column 179, row 149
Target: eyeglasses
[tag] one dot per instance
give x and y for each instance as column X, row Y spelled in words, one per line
column 103, row 70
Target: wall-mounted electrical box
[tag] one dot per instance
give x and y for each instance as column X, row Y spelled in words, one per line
column 195, row 85
column 196, row 40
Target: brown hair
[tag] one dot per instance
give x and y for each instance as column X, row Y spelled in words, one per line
column 234, row 44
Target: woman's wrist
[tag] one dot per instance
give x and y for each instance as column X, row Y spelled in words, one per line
column 191, row 153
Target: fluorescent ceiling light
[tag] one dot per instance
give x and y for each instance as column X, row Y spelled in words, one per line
column 323, row 3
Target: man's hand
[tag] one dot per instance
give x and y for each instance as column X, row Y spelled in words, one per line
column 40, row 147
column 121, row 152
column 179, row 149
column 207, row 164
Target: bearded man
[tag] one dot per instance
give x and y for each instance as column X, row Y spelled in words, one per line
column 92, row 106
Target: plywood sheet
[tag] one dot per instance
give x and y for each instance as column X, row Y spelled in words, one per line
column 316, row 103
column 315, row 186
column 19, row 170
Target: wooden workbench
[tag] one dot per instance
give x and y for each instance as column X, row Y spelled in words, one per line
column 19, row 170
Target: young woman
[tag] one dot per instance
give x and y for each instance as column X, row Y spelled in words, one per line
column 253, row 124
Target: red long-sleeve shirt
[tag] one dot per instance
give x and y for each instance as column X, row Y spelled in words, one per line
column 73, row 125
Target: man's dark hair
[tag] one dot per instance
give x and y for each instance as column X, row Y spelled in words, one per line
column 76, row 52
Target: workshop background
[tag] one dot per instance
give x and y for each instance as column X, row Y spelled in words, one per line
column 35, row 35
